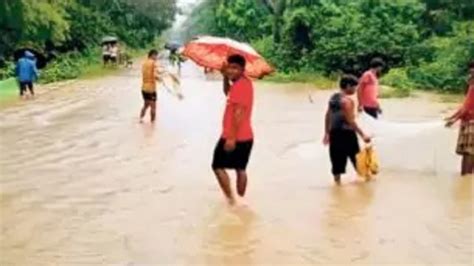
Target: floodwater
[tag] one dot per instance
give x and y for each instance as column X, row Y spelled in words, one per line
column 83, row 183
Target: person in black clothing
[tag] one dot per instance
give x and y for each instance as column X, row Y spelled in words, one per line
column 341, row 128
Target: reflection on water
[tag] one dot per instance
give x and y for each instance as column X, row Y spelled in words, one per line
column 83, row 183
column 229, row 238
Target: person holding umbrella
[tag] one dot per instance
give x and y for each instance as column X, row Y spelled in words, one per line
column 235, row 145
column 26, row 73
column 105, row 53
column 238, row 63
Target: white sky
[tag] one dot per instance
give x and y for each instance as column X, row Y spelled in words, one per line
column 183, row 4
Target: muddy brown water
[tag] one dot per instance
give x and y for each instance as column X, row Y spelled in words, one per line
column 83, row 183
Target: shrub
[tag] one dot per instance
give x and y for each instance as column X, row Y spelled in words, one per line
column 447, row 70
column 398, row 79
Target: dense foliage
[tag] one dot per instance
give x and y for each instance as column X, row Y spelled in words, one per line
column 59, row 26
column 431, row 41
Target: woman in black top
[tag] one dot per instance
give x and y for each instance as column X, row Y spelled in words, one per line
column 341, row 129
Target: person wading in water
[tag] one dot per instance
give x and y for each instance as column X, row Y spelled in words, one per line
column 368, row 92
column 465, row 146
column 341, row 128
column 235, row 145
column 149, row 80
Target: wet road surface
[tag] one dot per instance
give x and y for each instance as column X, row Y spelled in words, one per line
column 83, row 183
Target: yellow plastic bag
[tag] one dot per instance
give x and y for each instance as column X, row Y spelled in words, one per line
column 367, row 163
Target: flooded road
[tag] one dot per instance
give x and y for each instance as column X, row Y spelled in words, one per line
column 83, row 183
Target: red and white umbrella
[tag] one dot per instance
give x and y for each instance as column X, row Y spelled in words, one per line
column 212, row 52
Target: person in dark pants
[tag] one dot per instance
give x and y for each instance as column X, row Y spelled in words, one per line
column 368, row 92
column 341, row 129
column 235, row 145
column 26, row 73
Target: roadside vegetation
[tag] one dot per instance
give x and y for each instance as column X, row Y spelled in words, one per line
column 427, row 43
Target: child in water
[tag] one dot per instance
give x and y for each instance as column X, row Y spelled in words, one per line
column 465, row 146
column 341, row 128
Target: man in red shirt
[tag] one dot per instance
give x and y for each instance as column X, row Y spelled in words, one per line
column 235, row 145
column 368, row 91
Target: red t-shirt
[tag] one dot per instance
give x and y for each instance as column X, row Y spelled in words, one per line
column 240, row 94
column 369, row 90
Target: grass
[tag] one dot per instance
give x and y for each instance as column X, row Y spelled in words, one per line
column 387, row 92
column 8, row 90
column 97, row 70
column 318, row 80
column 451, row 98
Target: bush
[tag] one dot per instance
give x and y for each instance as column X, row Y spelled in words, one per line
column 7, row 71
column 447, row 71
column 344, row 36
column 69, row 66
column 398, row 79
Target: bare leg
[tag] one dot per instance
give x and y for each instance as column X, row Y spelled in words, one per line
column 337, row 179
column 224, row 183
column 153, row 111
column 143, row 111
column 241, row 182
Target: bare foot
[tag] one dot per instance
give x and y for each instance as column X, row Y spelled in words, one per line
column 243, row 203
column 231, row 201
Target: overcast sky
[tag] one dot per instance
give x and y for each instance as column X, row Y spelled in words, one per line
column 183, row 4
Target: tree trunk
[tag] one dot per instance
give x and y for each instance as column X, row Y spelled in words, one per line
column 278, row 20
column 277, row 9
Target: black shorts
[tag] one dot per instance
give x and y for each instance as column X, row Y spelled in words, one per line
column 236, row 159
column 372, row 111
column 149, row 96
column 343, row 145
column 24, row 85
column 106, row 58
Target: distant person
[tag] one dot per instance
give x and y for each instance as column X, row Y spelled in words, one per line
column 149, row 80
column 235, row 145
column 175, row 59
column 26, row 73
column 125, row 58
column 114, row 53
column 106, row 54
column 368, row 92
column 465, row 146
column 341, row 128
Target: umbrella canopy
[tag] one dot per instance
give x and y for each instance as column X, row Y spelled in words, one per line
column 212, row 52
column 40, row 58
column 109, row 39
